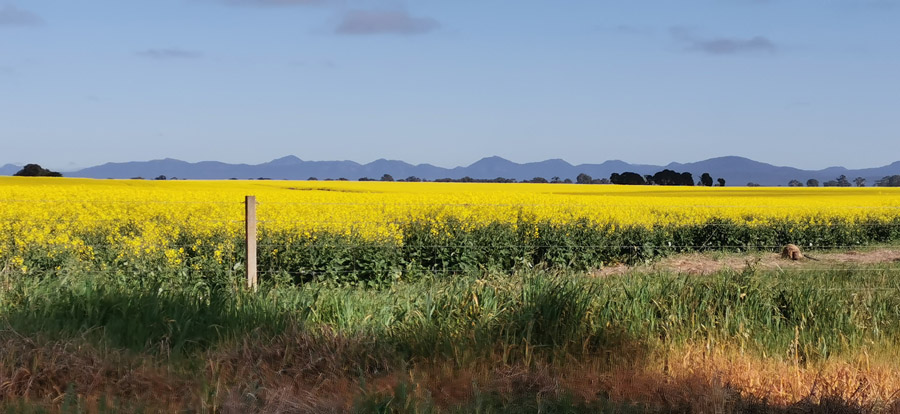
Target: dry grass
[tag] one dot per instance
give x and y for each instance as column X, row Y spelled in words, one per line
column 708, row 263
column 327, row 373
column 44, row 371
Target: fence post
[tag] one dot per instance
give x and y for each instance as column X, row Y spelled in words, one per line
column 250, row 235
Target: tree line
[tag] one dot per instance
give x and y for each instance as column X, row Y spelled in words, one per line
column 664, row 177
column 842, row 181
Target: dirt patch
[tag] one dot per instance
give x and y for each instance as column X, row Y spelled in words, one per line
column 706, row 263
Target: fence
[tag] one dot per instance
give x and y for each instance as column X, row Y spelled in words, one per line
column 459, row 249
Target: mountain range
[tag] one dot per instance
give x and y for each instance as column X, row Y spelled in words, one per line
column 735, row 170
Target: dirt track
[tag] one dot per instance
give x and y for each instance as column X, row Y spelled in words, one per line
column 706, row 263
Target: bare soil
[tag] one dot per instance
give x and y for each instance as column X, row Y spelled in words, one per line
column 706, row 263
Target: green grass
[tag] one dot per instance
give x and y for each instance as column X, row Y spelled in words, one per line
column 199, row 329
column 809, row 315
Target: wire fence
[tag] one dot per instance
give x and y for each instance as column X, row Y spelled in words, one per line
column 277, row 219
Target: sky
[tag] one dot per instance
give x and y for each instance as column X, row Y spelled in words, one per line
column 804, row 83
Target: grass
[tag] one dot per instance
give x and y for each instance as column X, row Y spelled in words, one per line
column 536, row 340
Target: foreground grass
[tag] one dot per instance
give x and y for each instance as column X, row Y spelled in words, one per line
column 536, row 340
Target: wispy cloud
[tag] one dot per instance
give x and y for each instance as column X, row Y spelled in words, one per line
column 170, row 53
column 722, row 45
column 13, row 16
column 367, row 22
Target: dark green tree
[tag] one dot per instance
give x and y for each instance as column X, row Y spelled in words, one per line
column 812, row 182
column 721, row 182
column 387, row 177
column 627, row 178
column 795, row 183
column 842, row 181
column 669, row 177
column 583, row 179
column 35, row 170
column 889, row 181
column 706, row 179
column 859, row 181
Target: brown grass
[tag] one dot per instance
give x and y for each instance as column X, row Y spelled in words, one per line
column 43, row 371
column 706, row 263
column 691, row 379
column 326, row 373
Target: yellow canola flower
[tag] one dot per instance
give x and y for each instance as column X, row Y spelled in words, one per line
column 172, row 220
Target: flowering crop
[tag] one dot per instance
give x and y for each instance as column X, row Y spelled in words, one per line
column 199, row 224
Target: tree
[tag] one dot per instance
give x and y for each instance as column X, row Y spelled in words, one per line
column 387, row 177
column 567, row 181
column 538, row 180
column 366, row 179
column 312, row 179
column 721, row 182
column 163, row 177
column 842, row 181
column 34, row 170
column 706, row 179
column 600, row 181
column 555, row 179
column 752, row 184
column 839, row 182
column 889, row 181
column 812, row 182
column 627, row 178
column 859, row 181
column 669, row 177
column 583, row 179
column 795, row 183
column 412, row 179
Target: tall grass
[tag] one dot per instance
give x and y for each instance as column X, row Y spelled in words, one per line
column 796, row 314
column 229, row 342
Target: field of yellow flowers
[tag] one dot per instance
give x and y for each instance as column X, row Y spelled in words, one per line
column 333, row 229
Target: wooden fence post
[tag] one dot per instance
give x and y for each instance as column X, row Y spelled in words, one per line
column 250, row 234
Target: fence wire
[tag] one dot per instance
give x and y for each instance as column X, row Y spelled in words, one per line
column 273, row 222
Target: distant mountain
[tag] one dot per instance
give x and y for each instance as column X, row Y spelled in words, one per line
column 735, row 170
column 9, row 169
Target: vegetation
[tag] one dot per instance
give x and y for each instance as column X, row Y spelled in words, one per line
column 398, row 297
column 35, row 170
column 494, row 339
column 838, row 182
column 889, row 181
column 374, row 233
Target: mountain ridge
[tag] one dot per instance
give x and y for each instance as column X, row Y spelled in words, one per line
column 736, row 170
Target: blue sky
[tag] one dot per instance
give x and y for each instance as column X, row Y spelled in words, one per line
column 806, row 83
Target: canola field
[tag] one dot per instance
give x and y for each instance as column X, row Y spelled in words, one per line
column 352, row 231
